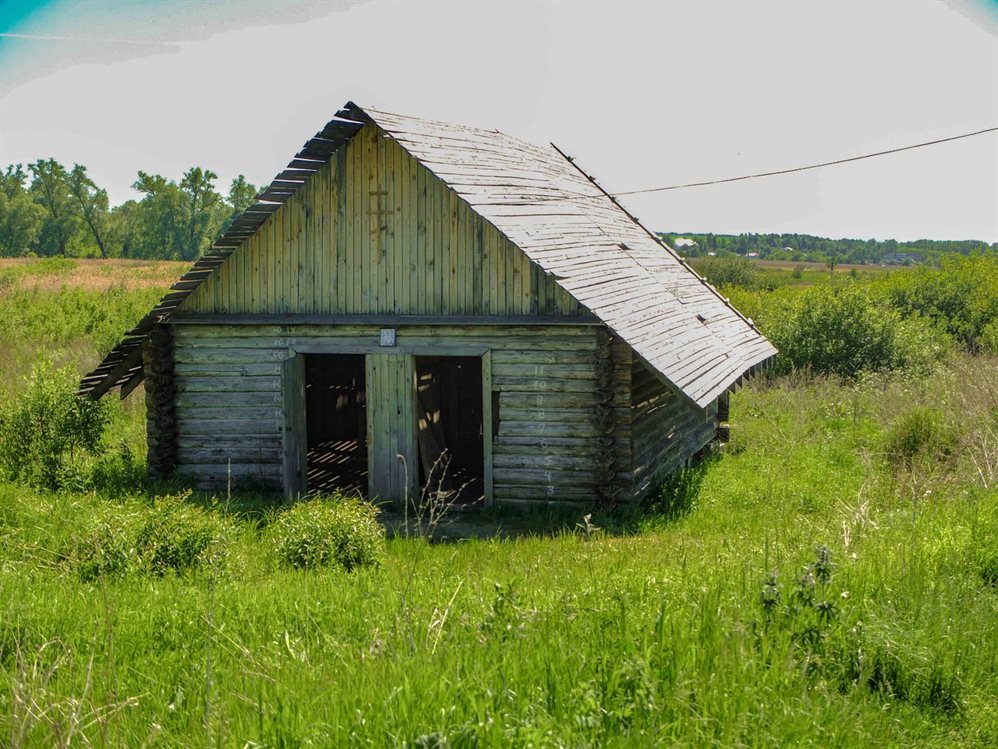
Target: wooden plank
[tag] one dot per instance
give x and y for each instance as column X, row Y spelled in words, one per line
column 232, row 427
column 423, row 221
column 452, row 245
column 487, row 450
column 430, row 209
column 371, row 222
column 355, row 216
column 218, row 400
column 280, row 279
column 293, row 249
column 396, row 229
column 375, row 473
column 216, row 384
column 265, row 413
column 341, row 287
column 235, row 454
column 293, row 445
column 531, row 385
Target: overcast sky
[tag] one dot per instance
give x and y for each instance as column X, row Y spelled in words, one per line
column 642, row 94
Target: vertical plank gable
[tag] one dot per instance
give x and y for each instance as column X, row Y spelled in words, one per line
column 375, row 231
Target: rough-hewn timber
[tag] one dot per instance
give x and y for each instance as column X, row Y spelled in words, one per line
column 228, row 401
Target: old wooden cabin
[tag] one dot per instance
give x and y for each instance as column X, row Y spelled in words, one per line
column 410, row 298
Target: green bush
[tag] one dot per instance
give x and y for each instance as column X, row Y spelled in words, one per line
column 961, row 297
column 169, row 535
column 114, row 471
column 989, row 338
column 46, row 426
column 728, row 271
column 923, row 433
column 329, row 531
column 176, row 535
column 846, row 331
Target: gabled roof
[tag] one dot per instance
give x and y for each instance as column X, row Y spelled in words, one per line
column 553, row 212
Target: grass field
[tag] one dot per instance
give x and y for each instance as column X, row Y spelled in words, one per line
column 828, row 578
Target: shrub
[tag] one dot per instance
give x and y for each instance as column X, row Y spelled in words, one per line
column 114, row 471
column 46, row 426
column 989, row 338
column 960, row 298
column 329, row 531
column 728, row 271
column 921, row 433
column 846, row 331
column 176, row 535
column 169, row 535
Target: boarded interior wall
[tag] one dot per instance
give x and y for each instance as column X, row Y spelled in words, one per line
column 227, row 380
column 375, row 232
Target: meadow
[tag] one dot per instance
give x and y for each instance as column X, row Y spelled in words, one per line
column 827, row 578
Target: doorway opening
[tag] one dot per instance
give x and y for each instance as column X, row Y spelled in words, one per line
column 449, row 427
column 336, row 423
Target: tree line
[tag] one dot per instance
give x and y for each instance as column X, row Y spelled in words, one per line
column 808, row 248
column 49, row 209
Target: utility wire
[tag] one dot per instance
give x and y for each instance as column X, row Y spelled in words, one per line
column 810, row 166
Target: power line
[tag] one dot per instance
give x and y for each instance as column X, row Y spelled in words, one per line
column 810, row 166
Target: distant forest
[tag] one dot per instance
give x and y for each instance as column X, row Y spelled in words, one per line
column 47, row 208
column 807, row 248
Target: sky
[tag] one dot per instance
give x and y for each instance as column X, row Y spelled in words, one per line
column 642, row 94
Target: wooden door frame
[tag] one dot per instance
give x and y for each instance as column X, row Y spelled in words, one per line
column 294, row 431
column 459, row 350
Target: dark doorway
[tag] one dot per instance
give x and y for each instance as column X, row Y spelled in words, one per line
column 449, row 427
column 336, row 423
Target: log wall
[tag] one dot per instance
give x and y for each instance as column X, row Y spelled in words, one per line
column 543, row 379
column 666, row 430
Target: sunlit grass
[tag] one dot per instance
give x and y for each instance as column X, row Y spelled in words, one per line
column 665, row 627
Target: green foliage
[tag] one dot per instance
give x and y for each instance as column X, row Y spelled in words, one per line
column 808, row 248
column 60, row 211
column 655, row 633
column 21, row 218
column 846, row 331
column 169, row 535
column 728, row 271
column 328, row 531
column 960, row 298
column 46, row 426
column 178, row 536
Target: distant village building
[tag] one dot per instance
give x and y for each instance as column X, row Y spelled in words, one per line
column 411, row 302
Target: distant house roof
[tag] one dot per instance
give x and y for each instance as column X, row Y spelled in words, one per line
column 553, row 212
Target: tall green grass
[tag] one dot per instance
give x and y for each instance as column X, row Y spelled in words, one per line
column 659, row 629
column 830, row 578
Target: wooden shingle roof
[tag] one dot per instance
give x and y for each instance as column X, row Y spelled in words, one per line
column 560, row 218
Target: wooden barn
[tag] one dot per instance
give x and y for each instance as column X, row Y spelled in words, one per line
column 412, row 303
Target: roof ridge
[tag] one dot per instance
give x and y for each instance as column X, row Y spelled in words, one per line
column 590, row 245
